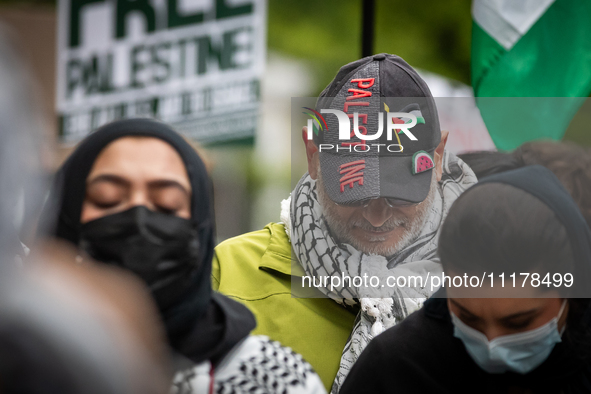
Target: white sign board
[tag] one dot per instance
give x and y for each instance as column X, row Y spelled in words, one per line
column 195, row 64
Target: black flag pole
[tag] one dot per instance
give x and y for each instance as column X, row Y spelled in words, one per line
column 367, row 27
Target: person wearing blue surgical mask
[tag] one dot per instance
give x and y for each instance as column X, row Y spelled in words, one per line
column 531, row 337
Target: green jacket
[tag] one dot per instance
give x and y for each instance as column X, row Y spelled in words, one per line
column 256, row 269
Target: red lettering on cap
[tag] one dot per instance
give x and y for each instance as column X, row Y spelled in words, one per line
column 362, row 117
column 360, row 82
column 358, row 94
column 353, row 174
column 359, row 103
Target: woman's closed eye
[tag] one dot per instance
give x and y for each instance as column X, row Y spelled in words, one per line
column 105, row 195
column 169, row 199
column 467, row 318
column 522, row 321
column 106, row 205
column 518, row 324
column 471, row 320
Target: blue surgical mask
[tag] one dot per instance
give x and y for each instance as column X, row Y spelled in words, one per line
column 521, row 352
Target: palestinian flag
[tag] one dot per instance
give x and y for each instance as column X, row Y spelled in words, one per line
column 416, row 111
column 409, row 109
column 538, row 50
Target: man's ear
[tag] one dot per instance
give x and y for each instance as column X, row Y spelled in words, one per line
column 311, row 154
column 439, row 154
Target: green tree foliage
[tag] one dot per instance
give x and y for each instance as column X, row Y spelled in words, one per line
column 430, row 34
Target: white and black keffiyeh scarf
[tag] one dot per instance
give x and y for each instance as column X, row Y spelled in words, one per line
column 380, row 308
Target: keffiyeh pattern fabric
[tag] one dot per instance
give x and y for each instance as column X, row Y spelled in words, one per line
column 379, row 307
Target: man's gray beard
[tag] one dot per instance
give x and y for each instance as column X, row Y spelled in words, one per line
column 342, row 231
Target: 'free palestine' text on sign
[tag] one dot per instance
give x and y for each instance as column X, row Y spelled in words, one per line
column 193, row 63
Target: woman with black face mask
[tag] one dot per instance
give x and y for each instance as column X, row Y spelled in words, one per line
column 135, row 194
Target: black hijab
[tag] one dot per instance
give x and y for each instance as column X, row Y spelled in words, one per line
column 569, row 365
column 204, row 325
column 541, row 183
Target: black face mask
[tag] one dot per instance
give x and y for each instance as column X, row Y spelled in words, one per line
column 161, row 249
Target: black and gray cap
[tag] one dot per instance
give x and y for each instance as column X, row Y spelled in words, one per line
column 397, row 167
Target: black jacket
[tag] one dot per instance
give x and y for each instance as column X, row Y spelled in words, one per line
column 421, row 355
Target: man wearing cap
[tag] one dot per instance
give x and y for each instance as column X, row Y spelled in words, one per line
column 370, row 206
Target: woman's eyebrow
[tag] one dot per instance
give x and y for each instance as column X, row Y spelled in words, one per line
column 164, row 183
column 109, row 178
column 521, row 314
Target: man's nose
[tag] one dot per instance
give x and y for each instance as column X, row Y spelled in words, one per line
column 377, row 212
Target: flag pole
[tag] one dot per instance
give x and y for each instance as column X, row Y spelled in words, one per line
column 367, row 27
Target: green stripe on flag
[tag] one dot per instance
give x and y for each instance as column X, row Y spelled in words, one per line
column 549, row 67
column 487, row 51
